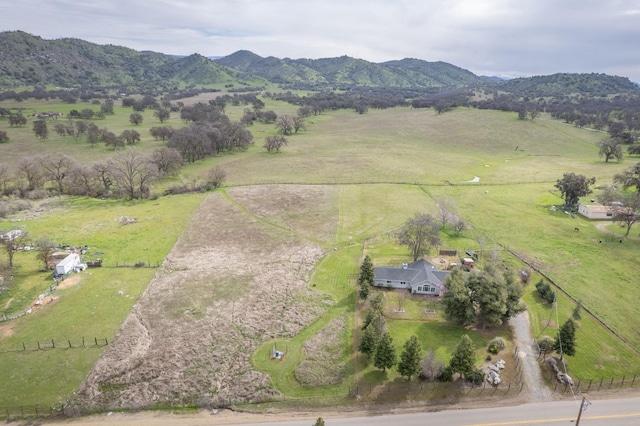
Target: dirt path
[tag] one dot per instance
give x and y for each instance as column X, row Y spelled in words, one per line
column 535, row 384
column 602, row 227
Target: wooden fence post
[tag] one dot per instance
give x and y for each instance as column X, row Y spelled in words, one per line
column 53, row 344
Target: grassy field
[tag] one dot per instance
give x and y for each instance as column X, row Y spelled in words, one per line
column 379, row 169
column 96, row 306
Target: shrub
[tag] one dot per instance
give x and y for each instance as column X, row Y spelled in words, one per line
column 496, row 345
column 544, row 290
column 446, row 375
column 476, row 377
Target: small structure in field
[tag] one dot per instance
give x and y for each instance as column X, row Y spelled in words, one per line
column 277, row 354
column 67, row 264
column 468, row 262
column 595, row 212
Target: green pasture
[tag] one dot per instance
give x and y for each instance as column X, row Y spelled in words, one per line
column 384, row 166
column 96, row 306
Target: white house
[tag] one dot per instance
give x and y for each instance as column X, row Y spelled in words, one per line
column 596, row 212
column 67, row 264
column 421, row 277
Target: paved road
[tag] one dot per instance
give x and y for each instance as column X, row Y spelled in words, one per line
column 609, row 412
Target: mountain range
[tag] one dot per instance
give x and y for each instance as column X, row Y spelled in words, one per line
column 28, row 60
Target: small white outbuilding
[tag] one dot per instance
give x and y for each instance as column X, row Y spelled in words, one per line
column 67, row 264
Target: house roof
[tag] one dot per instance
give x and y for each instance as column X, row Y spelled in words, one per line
column 414, row 273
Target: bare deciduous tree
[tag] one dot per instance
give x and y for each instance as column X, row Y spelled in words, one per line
column 5, row 177
column 45, row 248
column 12, row 241
column 284, row 124
column 103, row 174
column 167, row 160
column 274, row 143
column 216, row 177
column 132, row 171
column 419, row 234
column 30, row 168
column 57, row 167
column 83, row 180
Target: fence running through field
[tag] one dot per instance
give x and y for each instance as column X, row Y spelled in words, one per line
column 56, row 282
column 42, row 345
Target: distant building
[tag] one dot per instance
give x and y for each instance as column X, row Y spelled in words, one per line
column 595, row 212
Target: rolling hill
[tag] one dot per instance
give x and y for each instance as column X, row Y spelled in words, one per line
column 28, row 60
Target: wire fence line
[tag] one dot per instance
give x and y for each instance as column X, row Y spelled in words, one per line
column 42, row 345
column 397, row 391
column 58, row 280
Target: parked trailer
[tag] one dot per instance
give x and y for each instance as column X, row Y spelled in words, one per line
column 67, row 264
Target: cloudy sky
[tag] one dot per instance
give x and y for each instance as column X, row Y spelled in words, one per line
column 489, row 37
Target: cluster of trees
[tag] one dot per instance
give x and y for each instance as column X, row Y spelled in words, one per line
column 202, row 139
column 377, row 343
column 94, row 134
column 564, row 342
column 360, row 100
column 486, row 297
column 127, row 174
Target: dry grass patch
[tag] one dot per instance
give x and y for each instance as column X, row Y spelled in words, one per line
column 307, row 209
column 229, row 284
column 323, row 353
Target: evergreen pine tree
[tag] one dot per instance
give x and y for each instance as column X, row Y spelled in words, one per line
column 368, row 341
column 457, row 302
column 464, row 358
column 409, row 364
column 385, row 355
column 565, row 343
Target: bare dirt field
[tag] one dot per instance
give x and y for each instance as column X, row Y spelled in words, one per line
column 230, row 283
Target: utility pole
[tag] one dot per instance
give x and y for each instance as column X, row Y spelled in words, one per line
column 583, row 406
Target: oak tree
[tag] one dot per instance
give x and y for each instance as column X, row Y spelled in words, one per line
column 419, row 234
column 573, row 186
column 629, row 178
column 610, row 148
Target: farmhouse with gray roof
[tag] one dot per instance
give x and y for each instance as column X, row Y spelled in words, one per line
column 421, row 277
